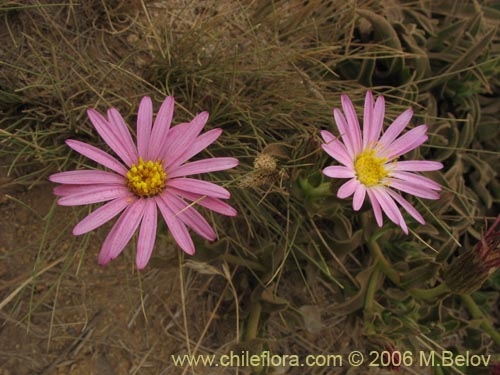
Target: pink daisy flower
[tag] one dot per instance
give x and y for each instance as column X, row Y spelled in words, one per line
column 152, row 175
column 370, row 161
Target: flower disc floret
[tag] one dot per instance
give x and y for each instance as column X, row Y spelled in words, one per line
column 146, row 178
column 369, row 168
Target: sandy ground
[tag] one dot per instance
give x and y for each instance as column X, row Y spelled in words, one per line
column 78, row 317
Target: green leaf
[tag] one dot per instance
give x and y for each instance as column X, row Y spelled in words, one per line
column 420, row 275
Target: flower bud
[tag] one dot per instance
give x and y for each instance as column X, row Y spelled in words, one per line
column 471, row 269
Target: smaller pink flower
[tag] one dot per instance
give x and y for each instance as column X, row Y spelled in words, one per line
column 149, row 176
column 370, row 161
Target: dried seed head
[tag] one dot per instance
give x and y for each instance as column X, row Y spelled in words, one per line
column 258, row 179
column 266, row 171
column 265, row 163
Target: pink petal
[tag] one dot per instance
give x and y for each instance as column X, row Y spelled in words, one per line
column 94, row 194
column 188, row 215
column 338, row 172
column 396, row 127
column 185, row 139
column 144, row 124
column 348, row 188
column 413, row 189
column 367, row 118
column 416, row 165
column 66, row 190
column 56, row 191
column 63, row 190
column 359, row 197
column 387, row 204
column 97, row 155
column 177, row 227
column 376, row 207
column 407, row 206
column 102, row 215
column 377, row 121
column 407, row 142
column 425, row 182
column 327, row 136
column 213, row 204
column 203, row 166
column 147, row 234
column 161, row 129
column 112, row 138
column 352, row 122
column 200, row 143
column 174, row 134
column 118, row 125
column 338, row 151
column 344, row 132
column 390, row 208
column 121, row 232
column 87, row 177
column 104, row 254
column 199, row 187
column 128, row 226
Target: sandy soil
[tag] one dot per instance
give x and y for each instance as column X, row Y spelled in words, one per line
column 77, row 317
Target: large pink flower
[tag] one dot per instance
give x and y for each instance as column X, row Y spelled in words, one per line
column 370, row 162
column 153, row 175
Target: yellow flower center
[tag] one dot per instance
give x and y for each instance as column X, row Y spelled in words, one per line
column 370, row 169
column 146, row 178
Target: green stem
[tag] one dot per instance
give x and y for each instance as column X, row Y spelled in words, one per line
column 243, row 262
column 371, row 289
column 476, row 313
column 393, row 275
column 384, row 264
column 370, row 300
column 430, row 294
column 253, row 321
column 253, row 330
column 320, row 191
